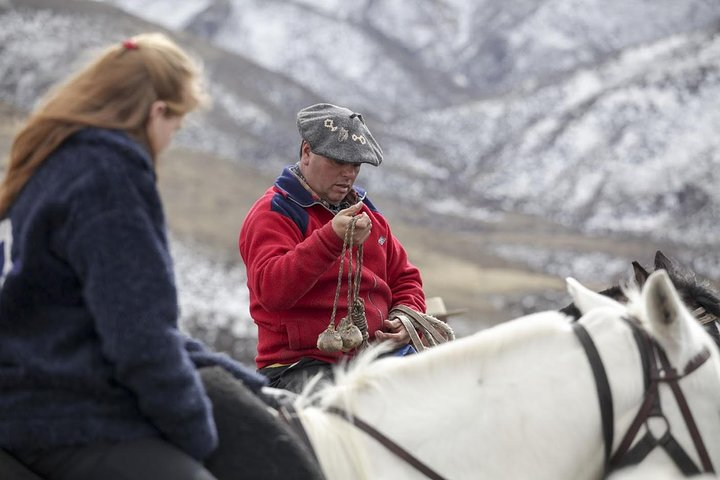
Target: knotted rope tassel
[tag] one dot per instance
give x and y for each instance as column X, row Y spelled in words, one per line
column 352, row 331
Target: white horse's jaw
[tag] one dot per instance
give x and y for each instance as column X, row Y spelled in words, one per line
column 586, row 299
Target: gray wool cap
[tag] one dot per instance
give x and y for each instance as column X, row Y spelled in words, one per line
column 338, row 133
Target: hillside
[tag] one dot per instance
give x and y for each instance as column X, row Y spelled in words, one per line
column 583, row 143
column 207, row 197
column 504, row 172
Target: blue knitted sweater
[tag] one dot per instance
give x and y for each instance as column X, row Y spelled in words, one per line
column 89, row 343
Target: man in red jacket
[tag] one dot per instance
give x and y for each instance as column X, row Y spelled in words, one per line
column 291, row 242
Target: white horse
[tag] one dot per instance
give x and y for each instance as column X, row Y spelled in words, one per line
column 518, row 400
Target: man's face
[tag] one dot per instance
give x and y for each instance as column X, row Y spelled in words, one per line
column 330, row 179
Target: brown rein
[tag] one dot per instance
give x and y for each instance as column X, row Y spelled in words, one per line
column 387, row 443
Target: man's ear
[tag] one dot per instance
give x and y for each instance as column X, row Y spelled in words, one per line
column 305, row 152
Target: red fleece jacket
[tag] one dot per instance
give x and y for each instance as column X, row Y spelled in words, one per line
column 293, row 272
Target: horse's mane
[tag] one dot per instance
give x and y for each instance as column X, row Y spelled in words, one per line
column 346, row 375
column 693, row 289
column 319, row 393
column 698, row 294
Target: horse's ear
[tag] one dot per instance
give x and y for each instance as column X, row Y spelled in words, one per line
column 667, row 316
column 585, row 299
column 662, row 302
column 641, row 275
column 663, row 262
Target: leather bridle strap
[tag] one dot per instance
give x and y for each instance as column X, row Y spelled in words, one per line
column 671, row 377
column 650, row 404
column 386, row 442
column 651, row 352
column 602, row 384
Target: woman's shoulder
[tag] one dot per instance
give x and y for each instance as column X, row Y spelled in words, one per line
column 104, row 144
column 100, row 156
column 104, row 166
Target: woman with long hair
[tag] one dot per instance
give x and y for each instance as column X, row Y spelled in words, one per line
column 96, row 380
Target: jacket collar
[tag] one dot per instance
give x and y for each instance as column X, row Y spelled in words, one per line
column 289, row 184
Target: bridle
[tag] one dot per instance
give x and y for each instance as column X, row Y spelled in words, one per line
column 656, row 370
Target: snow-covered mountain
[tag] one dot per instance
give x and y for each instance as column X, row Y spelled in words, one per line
column 597, row 114
column 628, row 145
column 214, row 304
column 384, row 56
column 42, row 41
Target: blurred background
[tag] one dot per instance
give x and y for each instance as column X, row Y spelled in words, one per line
column 525, row 140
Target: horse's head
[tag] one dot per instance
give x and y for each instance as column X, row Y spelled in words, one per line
column 658, row 306
column 699, row 295
column 677, row 353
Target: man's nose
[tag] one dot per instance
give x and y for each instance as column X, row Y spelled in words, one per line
column 349, row 170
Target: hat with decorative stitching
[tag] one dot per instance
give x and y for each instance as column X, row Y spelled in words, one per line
column 338, row 133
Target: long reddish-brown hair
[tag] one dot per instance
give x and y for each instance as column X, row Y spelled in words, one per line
column 115, row 91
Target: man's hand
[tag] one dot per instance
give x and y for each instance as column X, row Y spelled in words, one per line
column 394, row 331
column 363, row 225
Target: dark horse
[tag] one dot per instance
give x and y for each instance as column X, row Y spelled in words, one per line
column 697, row 294
column 254, row 443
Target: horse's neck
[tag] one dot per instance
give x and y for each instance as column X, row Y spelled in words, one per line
column 495, row 405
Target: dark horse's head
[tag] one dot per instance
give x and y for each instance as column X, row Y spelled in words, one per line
column 697, row 294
